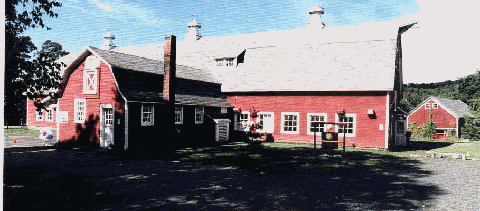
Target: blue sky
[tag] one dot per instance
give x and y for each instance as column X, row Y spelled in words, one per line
column 83, row 22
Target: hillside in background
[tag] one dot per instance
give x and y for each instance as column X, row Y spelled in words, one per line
column 466, row 89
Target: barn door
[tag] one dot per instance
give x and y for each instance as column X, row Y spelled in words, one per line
column 107, row 125
column 266, row 121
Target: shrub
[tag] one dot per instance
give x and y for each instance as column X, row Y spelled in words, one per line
column 471, row 129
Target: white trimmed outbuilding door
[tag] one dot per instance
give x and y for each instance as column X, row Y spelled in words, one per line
column 266, row 120
column 107, row 124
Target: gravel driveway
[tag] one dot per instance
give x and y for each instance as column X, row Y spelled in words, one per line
column 84, row 180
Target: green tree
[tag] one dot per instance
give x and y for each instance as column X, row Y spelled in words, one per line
column 19, row 16
column 428, row 129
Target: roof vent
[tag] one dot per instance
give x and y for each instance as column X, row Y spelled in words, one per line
column 108, row 44
column 193, row 35
column 315, row 19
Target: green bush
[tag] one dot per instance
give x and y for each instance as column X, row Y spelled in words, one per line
column 471, row 129
column 428, row 129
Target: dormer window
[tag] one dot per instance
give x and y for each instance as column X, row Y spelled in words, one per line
column 229, row 61
column 225, row 62
column 219, row 62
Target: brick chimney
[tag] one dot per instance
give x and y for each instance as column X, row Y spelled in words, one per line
column 169, row 69
column 169, row 82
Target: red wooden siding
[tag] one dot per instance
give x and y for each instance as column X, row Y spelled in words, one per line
column 32, row 116
column 441, row 117
column 106, row 94
column 367, row 132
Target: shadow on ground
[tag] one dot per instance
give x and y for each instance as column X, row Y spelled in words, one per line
column 423, row 145
column 228, row 177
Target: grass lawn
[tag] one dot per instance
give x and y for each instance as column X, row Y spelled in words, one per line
column 368, row 156
column 24, row 132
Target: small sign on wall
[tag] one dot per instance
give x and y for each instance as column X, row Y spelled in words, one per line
column 62, row 116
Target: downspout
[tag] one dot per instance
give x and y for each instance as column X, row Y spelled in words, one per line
column 125, row 145
column 387, row 120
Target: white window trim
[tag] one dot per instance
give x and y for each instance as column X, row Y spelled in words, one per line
column 428, row 105
column 85, row 81
column 46, row 114
column 258, row 121
column 181, row 115
column 91, row 65
column 39, row 116
column 245, row 127
column 75, row 110
column 283, row 121
column 203, row 115
column 434, row 105
column 309, row 122
column 152, row 122
column 354, row 125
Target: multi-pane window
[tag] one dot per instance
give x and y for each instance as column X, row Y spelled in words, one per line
column 428, row 106
column 225, row 62
column 245, row 119
column 49, row 115
column 80, row 109
column 147, row 115
column 39, row 116
column 290, row 122
column 350, row 120
column 434, row 105
column 108, row 116
column 178, row 115
column 199, row 115
column 314, row 121
column 229, row 62
column 219, row 62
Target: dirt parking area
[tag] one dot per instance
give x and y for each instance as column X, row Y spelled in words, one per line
column 45, row 178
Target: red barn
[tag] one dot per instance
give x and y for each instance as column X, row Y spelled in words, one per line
column 447, row 114
column 46, row 118
column 295, row 78
column 110, row 98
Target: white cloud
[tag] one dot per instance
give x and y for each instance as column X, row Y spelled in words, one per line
column 444, row 45
column 125, row 11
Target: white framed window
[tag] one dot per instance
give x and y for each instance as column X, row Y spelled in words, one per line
column 219, row 62
column 178, row 115
column 229, row 62
column 225, row 62
column 351, row 120
column 39, row 116
column 313, row 119
column 428, row 106
column 199, row 114
column 90, row 75
column 80, row 110
column 49, row 115
column 147, row 114
column 434, row 106
column 245, row 120
column 290, row 122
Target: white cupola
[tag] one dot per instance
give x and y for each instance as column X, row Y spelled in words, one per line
column 108, row 44
column 315, row 19
column 193, row 35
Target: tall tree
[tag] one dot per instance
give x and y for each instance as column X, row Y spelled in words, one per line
column 19, row 16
